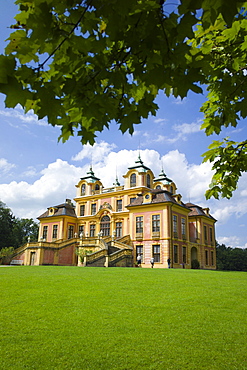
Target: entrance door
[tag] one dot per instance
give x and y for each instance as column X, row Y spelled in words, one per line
column 193, row 253
column 32, row 258
column 105, row 225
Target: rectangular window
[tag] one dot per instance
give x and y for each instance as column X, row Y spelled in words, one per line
column 71, row 232
column 175, row 254
column 212, row 258
column 184, row 255
column 45, row 229
column 205, row 234
column 211, row 235
column 92, row 230
column 139, row 225
column 119, row 205
column 81, row 230
column 183, row 228
column 139, row 250
column 54, row 231
column 175, row 225
column 156, row 223
column 206, row 257
column 82, row 210
column 118, row 229
column 132, row 200
column 156, row 252
column 197, row 231
column 93, row 208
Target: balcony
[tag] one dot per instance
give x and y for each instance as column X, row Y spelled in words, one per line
column 139, row 236
column 155, row 235
column 95, row 192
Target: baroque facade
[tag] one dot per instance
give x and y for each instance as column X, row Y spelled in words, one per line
column 111, row 226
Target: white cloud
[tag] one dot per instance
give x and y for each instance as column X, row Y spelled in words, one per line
column 30, row 172
column 232, row 241
column 5, row 166
column 178, row 101
column 188, row 128
column 56, row 183
column 94, row 153
column 161, row 121
column 229, row 241
column 195, row 178
column 19, row 114
column 182, row 131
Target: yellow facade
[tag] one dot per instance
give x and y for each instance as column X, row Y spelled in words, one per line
column 144, row 216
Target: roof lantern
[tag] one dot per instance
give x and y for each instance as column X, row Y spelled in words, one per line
column 90, row 178
column 140, row 167
column 163, row 178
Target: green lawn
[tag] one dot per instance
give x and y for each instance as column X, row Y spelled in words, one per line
column 122, row 318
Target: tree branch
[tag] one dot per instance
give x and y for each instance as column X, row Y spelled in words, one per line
column 41, row 66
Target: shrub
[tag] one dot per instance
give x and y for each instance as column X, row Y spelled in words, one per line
column 195, row 264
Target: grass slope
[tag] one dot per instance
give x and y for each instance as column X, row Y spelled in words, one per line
column 122, row 318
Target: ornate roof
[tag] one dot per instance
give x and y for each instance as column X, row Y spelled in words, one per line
column 140, row 167
column 156, row 196
column 64, row 209
column 198, row 211
column 90, row 178
column 163, row 178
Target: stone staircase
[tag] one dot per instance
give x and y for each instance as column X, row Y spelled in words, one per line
column 114, row 253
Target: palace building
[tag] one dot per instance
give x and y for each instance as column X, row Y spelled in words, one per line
column 111, row 226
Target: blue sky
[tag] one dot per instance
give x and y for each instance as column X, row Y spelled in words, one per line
column 36, row 171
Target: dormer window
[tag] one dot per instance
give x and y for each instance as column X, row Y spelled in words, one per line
column 96, row 187
column 133, row 180
column 158, row 187
column 83, row 189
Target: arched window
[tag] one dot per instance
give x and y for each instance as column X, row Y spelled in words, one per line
column 158, row 187
column 171, row 189
column 133, row 180
column 97, row 187
column 105, row 225
column 83, row 189
column 148, row 181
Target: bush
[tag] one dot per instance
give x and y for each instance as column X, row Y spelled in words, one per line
column 195, row 264
column 6, row 254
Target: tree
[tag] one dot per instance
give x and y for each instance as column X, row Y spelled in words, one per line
column 15, row 232
column 6, row 226
column 25, row 229
column 233, row 259
column 85, row 63
column 6, row 254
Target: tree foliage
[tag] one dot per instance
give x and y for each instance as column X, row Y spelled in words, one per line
column 83, row 64
column 233, row 259
column 15, row 232
column 6, row 254
column 6, row 226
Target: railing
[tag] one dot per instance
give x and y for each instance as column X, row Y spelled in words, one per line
column 95, row 192
column 93, row 256
column 119, row 254
column 109, row 190
column 102, row 244
column 91, row 240
column 124, row 239
column 139, row 235
column 121, row 245
column 155, row 234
